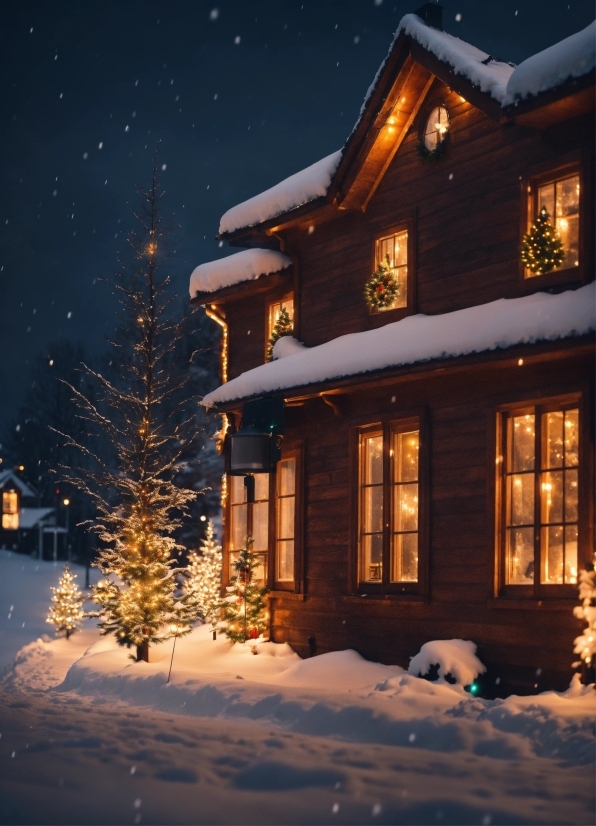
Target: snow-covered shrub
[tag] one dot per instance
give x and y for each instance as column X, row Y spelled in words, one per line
column 454, row 658
column 585, row 645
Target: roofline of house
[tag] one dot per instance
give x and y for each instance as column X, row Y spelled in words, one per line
column 503, row 357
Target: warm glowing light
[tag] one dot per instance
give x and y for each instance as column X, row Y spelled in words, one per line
column 21, row 467
column 520, row 362
column 67, row 502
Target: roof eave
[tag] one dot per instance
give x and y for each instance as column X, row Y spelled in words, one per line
column 572, row 98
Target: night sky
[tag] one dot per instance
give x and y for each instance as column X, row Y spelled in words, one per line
column 235, row 95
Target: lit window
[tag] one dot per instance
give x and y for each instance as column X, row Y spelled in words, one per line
column 561, row 199
column 541, row 497
column 249, row 520
column 285, row 519
column 393, row 251
column 280, row 321
column 10, row 502
column 436, row 127
column 389, row 458
column 10, row 521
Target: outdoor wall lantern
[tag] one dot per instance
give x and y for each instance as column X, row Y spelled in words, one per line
column 256, row 446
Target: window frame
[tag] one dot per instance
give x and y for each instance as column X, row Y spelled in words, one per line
column 296, row 586
column 407, row 224
column 410, row 420
column 573, row 164
column 271, row 300
column 539, row 406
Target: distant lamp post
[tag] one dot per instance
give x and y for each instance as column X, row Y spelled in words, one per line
column 256, row 447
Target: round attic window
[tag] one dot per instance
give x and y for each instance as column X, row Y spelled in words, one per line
column 436, row 128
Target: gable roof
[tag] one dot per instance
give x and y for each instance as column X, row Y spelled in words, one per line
column 500, row 324
column 418, row 53
column 11, row 476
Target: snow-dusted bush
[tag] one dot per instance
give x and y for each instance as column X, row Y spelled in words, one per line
column 456, row 658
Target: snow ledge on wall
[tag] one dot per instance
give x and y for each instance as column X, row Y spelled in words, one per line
column 419, row 338
column 247, row 265
column 306, row 185
column 573, row 57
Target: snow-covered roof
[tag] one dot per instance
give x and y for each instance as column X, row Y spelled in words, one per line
column 466, row 60
column 31, row 517
column 23, row 487
column 573, row 57
column 298, row 189
column 419, row 338
column 242, row 266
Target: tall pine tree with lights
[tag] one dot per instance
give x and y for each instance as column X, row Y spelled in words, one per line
column 204, row 578
column 282, row 327
column 244, row 608
column 542, row 250
column 66, row 609
column 150, row 427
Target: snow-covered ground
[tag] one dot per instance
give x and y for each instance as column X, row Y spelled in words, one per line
column 89, row 736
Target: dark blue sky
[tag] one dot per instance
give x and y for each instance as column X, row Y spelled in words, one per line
column 238, row 94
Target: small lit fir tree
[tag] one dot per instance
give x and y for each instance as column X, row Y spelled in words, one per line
column 244, row 608
column 147, row 419
column 585, row 645
column 382, row 288
column 282, row 327
column 66, row 608
column 542, row 250
column 203, row 585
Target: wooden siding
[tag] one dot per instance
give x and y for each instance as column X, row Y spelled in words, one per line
column 513, row 641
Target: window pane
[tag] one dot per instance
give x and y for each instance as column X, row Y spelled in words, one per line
column 10, row 521
column 238, row 526
column 571, row 488
column 237, row 489
column 571, row 437
column 436, row 127
column 373, row 460
column 406, row 448
column 373, row 509
column 552, row 431
column 567, row 218
column 521, row 499
column 552, row 555
column 285, row 560
column 372, row 558
column 286, row 517
column 259, row 575
column 404, row 562
column 552, row 497
column 520, row 556
column 286, row 475
column 546, row 198
column 260, row 526
column 522, row 439
column 394, row 249
column 571, row 554
column 261, row 487
column 406, row 507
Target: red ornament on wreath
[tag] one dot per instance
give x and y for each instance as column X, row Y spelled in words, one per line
column 382, row 288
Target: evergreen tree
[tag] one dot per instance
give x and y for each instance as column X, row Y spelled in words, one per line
column 65, row 610
column 542, row 250
column 585, row 645
column 149, row 424
column 244, row 608
column 204, row 578
column 282, row 327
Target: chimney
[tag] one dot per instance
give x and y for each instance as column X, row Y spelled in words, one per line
column 432, row 14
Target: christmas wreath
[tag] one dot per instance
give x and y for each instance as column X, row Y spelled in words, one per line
column 382, row 288
column 433, row 154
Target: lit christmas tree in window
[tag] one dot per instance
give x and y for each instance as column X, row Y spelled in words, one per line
column 66, row 611
column 542, row 250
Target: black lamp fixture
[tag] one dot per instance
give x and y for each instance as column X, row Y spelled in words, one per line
column 256, row 446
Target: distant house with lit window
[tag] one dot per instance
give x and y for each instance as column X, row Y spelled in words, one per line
column 436, row 478
column 23, row 522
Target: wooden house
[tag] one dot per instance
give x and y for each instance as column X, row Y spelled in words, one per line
column 437, row 470
column 23, row 522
